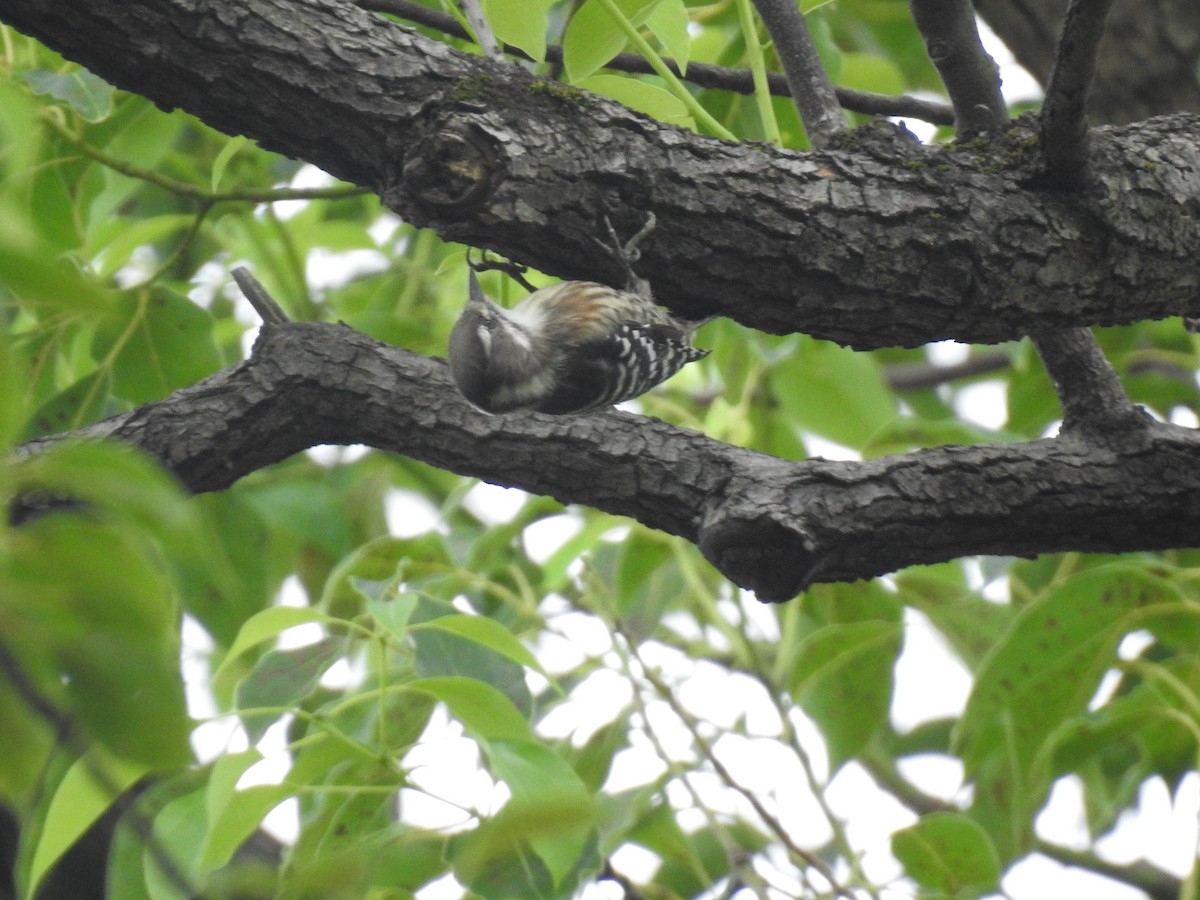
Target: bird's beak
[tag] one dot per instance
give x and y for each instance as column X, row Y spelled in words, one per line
column 476, row 296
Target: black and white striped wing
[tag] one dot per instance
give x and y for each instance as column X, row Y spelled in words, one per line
column 620, row 365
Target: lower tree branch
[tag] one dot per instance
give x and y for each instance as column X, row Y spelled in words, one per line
column 770, row 525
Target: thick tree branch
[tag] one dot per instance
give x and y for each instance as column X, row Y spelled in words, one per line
column 1149, row 65
column 971, row 76
column 807, row 80
column 770, row 525
column 892, row 244
column 706, row 75
column 1064, row 114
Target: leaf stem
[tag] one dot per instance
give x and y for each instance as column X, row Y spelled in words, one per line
column 701, row 115
column 754, row 54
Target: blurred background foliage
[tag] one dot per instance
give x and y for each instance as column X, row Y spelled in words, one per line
column 558, row 643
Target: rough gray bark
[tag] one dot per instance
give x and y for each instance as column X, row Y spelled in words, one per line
column 886, row 244
column 770, row 525
column 1149, row 64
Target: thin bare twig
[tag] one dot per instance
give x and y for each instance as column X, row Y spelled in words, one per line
column 706, row 750
column 705, row 75
column 810, row 86
column 919, row 376
column 969, row 73
column 1154, row 881
column 484, row 36
column 1064, row 114
column 204, row 195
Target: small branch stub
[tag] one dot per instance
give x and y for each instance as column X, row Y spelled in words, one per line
column 264, row 304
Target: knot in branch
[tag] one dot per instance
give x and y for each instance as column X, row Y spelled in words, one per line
column 452, row 168
column 760, row 555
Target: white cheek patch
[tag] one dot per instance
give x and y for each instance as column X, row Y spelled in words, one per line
column 485, row 338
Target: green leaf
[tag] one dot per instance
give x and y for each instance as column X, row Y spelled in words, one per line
column 373, row 571
column 157, row 341
column 112, row 664
column 483, row 710
column 142, row 137
column 241, row 537
column 78, row 801
column 29, row 742
column 496, row 860
column 179, row 830
column 84, row 402
column 264, row 626
column 843, row 679
column 645, row 579
column 642, row 97
column 1032, row 402
column 834, row 392
column 593, row 38
column 88, row 94
column 232, row 146
column 444, row 653
column 88, row 594
column 129, row 874
column 1048, row 666
column 902, row 434
column 521, row 24
column 234, row 821
column 867, row 72
column 1038, row 679
column 21, row 135
column 486, row 633
column 411, row 859
column 547, row 790
column 111, row 246
column 593, row 760
column 668, row 21
column 223, row 777
column 282, row 679
column 556, row 568
column 971, row 624
column 393, row 615
column 948, row 853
